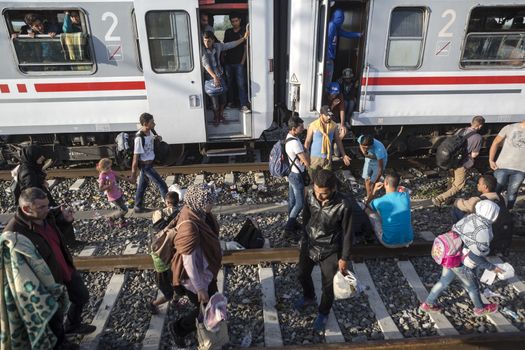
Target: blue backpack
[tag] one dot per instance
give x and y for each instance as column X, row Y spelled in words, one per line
column 278, row 163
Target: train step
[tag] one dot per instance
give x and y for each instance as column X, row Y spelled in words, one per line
column 226, row 152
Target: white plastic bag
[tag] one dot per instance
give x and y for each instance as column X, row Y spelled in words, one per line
column 345, row 286
column 180, row 191
column 509, row 271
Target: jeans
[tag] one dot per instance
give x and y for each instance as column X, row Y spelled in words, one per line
column 147, row 172
column 329, row 267
column 512, row 179
column 457, row 214
column 295, row 194
column 79, row 296
column 328, row 73
column 235, row 73
column 467, row 278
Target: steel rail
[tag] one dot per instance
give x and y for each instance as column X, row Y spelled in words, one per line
column 163, row 170
column 497, row 341
column 258, row 256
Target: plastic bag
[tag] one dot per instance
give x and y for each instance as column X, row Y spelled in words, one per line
column 345, row 286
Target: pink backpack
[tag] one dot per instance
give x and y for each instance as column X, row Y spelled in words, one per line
column 446, row 250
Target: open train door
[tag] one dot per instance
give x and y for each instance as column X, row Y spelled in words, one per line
column 169, row 45
column 322, row 28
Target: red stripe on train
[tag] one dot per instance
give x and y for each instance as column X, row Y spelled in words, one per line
column 94, row 86
column 4, row 88
column 21, row 88
column 460, row 80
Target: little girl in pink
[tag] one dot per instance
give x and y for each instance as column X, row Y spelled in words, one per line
column 107, row 182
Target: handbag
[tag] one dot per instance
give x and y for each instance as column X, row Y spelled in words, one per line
column 250, row 236
column 211, row 340
column 212, row 90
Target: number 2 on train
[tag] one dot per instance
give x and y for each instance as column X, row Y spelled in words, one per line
column 443, row 33
column 109, row 35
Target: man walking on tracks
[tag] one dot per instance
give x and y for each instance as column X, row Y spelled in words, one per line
column 143, row 157
column 460, row 173
column 327, row 241
column 44, row 228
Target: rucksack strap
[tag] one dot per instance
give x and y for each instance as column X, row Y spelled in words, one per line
column 467, row 135
column 296, row 156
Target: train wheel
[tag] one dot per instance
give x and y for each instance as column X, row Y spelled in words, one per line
column 175, row 155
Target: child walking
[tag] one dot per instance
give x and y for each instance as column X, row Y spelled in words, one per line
column 107, row 182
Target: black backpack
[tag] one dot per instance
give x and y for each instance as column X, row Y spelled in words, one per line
column 164, row 221
column 452, row 152
column 250, row 236
column 502, row 228
column 160, row 148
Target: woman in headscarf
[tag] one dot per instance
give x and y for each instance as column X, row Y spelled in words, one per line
column 475, row 230
column 197, row 259
column 31, row 174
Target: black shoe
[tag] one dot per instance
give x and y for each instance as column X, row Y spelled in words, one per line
column 82, row 328
column 179, row 340
column 141, row 210
column 67, row 345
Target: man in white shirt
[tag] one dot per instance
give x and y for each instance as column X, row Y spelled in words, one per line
column 509, row 168
column 143, row 157
column 298, row 159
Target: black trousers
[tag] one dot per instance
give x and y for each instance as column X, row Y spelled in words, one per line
column 329, row 267
column 79, row 296
column 186, row 324
column 56, row 323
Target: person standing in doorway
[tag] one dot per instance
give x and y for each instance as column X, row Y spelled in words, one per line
column 142, row 165
column 235, row 63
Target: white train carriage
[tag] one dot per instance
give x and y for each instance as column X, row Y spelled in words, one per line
column 423, row 66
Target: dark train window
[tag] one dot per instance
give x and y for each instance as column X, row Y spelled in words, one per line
column 406, row 38
column 169, row 41
column 47, row 41
column 495, row 38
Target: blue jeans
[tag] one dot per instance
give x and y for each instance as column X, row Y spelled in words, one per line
column 512, row 179
column 328, row 73
column 235, row 73
column 467, row 278
column 147, row 172
column 295, row 196
column 457, row 214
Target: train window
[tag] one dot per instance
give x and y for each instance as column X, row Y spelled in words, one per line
column 169, row 41
column 47, row 41
column 136, row 35
column 405, row 40
column 495, row 38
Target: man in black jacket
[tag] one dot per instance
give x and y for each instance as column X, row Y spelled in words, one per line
column 43, row 227
column 327, row 217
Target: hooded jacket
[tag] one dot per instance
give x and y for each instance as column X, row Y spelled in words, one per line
column 334, row 30
column 475, row 231
column 30, row 173
column 329, row 229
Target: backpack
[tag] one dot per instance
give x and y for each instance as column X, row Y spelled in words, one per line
column 278, row 162
column 447, row 249
column 164, row 220
column 162, row 248
column 502, row 228
column 452, row 152
column 250, row 236
column 160, row 148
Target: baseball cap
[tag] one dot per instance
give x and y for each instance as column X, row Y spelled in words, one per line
column 347, row 73
column 327, row 111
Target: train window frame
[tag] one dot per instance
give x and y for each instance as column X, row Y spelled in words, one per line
column 190, row 40
column 136, row 40
column 487, row 62
column 422, row 39
column 86, row 30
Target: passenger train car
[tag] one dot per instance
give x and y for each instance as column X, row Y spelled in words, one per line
column 421, row 67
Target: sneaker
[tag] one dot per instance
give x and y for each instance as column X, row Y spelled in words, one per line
column 67, row 345
column 437, row 202
column 424, row 308
column 138, row 210
column 82, row 328
column 486, row 310
column 303, row 302
column 320, row 322
column 179, row 340
column 245, row 109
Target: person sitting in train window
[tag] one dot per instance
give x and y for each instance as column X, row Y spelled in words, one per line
column 459, row 178
column 394, row 210
column 213, row 70
column 321, row 136
column 235, row 63
column 334, row 31
column 72, row 22
column 205, row 24
column 348, row 85
column 376, row 158
column 36, row 25
column 337, row 105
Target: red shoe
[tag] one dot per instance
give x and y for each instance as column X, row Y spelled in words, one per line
column 486, row 310
column 429, row 308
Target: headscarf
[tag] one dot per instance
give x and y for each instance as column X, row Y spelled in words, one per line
column 30, row 155
column 197, row 197
column 475, row 229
